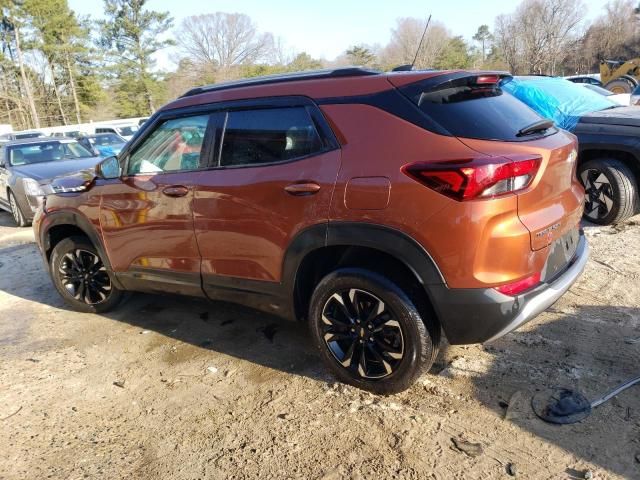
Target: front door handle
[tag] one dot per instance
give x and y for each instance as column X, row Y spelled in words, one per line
column 175, row 191
column 305, row 188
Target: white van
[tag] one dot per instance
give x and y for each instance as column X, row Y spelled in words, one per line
column 125, row 131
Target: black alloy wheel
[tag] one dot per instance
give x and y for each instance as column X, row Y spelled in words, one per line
column 85, row 277
column 81, row 277
column 370, row 332
column 610, row 191
column 362, row 333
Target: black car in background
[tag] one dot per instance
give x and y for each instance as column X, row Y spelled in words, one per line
column 609, row 142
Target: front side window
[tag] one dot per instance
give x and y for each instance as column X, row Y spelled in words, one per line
column 175, row 145
column 270, row 135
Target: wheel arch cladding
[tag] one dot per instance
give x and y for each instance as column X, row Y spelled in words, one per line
column 321, row 249
column 61, row 225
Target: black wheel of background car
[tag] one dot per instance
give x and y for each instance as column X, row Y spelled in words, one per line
column 369, row 332
column 611, row 193
column 18, row 217
column 81, row 278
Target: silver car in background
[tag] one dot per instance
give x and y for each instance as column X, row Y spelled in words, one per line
column 25, row 164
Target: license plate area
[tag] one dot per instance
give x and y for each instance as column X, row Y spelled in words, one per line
column 561, row 253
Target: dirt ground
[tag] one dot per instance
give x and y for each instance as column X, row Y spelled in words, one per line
column 170, row 387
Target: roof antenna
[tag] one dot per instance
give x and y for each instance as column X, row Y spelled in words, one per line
column 408, row 68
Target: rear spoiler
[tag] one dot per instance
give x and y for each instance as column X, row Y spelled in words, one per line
column 436, row 82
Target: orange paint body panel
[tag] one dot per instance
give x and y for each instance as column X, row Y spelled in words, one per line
column 245, row 220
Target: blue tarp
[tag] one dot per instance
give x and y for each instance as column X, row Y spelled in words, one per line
column 560, row 100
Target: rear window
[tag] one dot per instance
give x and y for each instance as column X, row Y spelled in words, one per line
column 468, row 110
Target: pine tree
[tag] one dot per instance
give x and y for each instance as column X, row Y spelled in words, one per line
column 131, row 35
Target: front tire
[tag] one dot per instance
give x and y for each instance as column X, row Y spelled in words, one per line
column 611, row 191
column 81, row 278
column 17, row 214
column 368, row 331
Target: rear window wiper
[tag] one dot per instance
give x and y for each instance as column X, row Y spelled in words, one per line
column 535, row 127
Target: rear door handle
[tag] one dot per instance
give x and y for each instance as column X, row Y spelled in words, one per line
column 305, row 188
column 175, row 191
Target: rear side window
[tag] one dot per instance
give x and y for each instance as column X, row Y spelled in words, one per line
column 270, row 135
column 468, row 110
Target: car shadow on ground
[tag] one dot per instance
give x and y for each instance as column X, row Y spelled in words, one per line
column 222, row 327
column 591, row 349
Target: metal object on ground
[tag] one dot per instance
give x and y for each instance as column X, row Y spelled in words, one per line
column 563, row 406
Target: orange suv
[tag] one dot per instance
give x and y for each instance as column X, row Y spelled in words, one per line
column 382, row 208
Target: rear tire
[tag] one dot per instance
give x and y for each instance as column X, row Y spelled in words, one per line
column 81, row 278
column 620, row 85
column 611, row 191
column 16, row 212
column 368, row 331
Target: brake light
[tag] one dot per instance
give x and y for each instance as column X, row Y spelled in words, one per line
column 520, row 286
column 470, row 179
column 487, row 79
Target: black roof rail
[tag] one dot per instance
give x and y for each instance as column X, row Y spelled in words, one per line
column 284, row 77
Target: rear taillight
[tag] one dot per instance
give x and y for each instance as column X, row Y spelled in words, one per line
column 476, row 178
column 520, row 286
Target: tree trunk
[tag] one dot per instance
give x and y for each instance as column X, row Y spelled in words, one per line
column 74, row 93
column 27, row 89
column 55, row 89
column 5, row 93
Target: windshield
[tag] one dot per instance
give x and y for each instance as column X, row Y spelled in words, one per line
column 106, row 139
column 127, row 131
column 46, row 152
column 558, row 99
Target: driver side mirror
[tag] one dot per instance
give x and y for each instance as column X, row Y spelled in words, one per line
column 108, row 168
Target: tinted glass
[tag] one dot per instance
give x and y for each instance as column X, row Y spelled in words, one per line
column 175, row 145
column 254, row 137
column 468, row 110
column 46, row 152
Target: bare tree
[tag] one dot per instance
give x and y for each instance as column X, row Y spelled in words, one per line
column 537, row 37
column 507, row 41
column 405, row 39
column 223, row 40
column 613, row 35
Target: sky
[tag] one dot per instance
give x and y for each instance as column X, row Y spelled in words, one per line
column 326, row 28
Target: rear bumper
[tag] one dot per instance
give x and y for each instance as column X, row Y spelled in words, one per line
column 483, row 315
